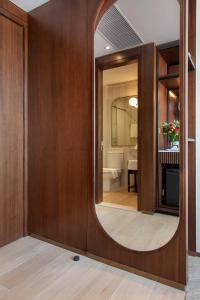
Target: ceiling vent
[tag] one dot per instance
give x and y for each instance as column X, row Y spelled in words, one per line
column 117, row 31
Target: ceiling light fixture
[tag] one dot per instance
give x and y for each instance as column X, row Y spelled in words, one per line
column 133, row 102
column 107, row 47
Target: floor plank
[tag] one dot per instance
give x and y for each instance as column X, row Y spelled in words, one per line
column 193, row 288
column 41, row 271
column 136, row 230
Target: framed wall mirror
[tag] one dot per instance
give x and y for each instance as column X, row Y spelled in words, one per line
column 137, row 168
column 124, row 120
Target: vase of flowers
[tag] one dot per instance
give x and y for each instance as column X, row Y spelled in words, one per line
column 172, row 131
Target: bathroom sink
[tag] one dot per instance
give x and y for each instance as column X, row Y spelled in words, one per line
column 132, row 164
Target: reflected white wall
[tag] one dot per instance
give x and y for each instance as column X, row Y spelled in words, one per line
column 198, row 129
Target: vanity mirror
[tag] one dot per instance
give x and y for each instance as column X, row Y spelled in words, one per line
column 137, row 90
column 124, row 118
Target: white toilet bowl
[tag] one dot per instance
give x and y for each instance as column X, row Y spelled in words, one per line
column 111, row 179
column 112, row 173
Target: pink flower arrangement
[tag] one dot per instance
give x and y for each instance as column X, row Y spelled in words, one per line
column 172, row 130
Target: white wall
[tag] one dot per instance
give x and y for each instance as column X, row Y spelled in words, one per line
column 198, row 128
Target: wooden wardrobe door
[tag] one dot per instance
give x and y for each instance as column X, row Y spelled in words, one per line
column 11, row 130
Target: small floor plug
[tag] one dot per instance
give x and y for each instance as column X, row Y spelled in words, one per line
column 76, row 258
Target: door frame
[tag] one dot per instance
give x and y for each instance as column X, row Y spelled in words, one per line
column 103, row 63
column 20, row 17
column 146, row 56
column 192, row 133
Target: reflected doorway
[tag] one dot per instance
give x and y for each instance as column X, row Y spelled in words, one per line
column 118, row 101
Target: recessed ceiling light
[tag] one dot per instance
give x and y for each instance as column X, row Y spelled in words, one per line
column 107, row 47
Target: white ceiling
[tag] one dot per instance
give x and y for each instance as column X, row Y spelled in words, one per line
column 99, row 43
column 29, row 5
column 155, row 21
column 121, row 74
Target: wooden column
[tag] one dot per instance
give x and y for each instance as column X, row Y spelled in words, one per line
column 147, row 131
column 13, row 121
column 192, row 131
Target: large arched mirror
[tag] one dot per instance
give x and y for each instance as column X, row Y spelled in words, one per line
column 137, row 122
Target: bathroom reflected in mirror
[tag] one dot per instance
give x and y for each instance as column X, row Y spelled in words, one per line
column 124, row 128
column 136, row 65
column 124, row 109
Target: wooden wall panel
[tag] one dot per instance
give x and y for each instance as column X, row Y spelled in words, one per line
column 7, row 8
column 162, row 103
column 192, row 161
column 61, row 199
column 192, row 131
column 11, row 131
column 99, row 135
column 147, row 116
column 60, row 130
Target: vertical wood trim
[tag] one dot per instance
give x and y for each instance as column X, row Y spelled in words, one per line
column 147, row 136
column 99, row 135
column 20, row 17
column 12, row 121
column 10, row 10
column 184, row 131
column 25, row 130
column 192, row 131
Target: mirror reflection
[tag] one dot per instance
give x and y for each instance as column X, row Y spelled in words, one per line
column 125, row 100
column 124, row 121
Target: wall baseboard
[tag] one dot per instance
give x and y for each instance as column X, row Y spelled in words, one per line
column 47, row 240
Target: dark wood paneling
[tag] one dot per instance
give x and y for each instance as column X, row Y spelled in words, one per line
column 192, row 29
column 162, row 117
column 99, row 136
column 192, row 131
column 162, row 96
column 11, row 131
column 170, row 53
column 60, row 139
column 147, row 119
column 162, row 66
column 173, row 69
column 192, row 197
column 60, row 122
column 14, row 12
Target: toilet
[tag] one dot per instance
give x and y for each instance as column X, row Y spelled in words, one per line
column 113, row 172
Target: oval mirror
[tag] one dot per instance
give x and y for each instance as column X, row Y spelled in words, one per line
column 137, row 125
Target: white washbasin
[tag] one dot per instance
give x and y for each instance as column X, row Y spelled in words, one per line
column 132, row 164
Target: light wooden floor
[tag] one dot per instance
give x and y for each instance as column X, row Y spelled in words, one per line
column 34, row 270
column 136, row 230
column 121, row 198
column 193, row 288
